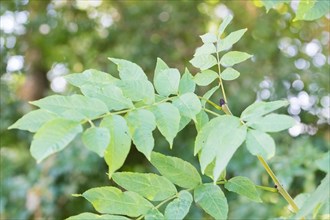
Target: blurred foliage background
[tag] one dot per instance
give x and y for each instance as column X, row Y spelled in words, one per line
column 43, row 40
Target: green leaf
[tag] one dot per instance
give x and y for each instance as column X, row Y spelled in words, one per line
column 219, row 139
column 187, row 83
column 259, row 109
column 201, row 119
column 243, row 186
column 141, row 123
column 260, row 143
column 209, row 38
column 233, row 57
column 184, row 121
column 209, row 172
column 111, row 95
column 113, row 201
column 205, row 77
column 229, row 74
column 205, row 49
column 53, row 136
column 273, row 123
column 208, row 95
column 204, row 61
column 230, row 40
column 167, row 82
column 90, row 77
column 167, row 120
column 160, row 66
column 128, row 70
column 151, row 186
column 224, row 24
column 176, row 170
column 90, row 216
column 120, row 142
column 154, row 214
column 33, row 120
column 312, row 9
column 212, row 200
column 179, row 207
column 96, row 139
column 75, row 107
column 321, row 194
column 138, row 90
column 323, row 163
column 188, row 105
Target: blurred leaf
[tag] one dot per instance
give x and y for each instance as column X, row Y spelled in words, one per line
column 188, row 105
column 141, row 123
column 233, row 57
column 151, row 186
column 90, row 77
column 243, row 186
column 323, row 163
column 120, row 142
column 259, row 109
column 260, row 143
column 230, row 40
column 111, row 95
column 33, row 120
column 273, row 3
column 111, row 200
column 273, row 123
column 212, row 200
column 187, row 83
column 160, row 66
column 205, row 77
column 96, row 139
column 167, row 82
column 224, row 24
column 219, row 139
column 204, row 61
column 90, row 216
column 312, row 9
column 320, row 195
column 167, row 120
column 53, row 136
column 75, row 107
column 209, row 38
column 230, row 74
column 205, row 49
column 179, row 207
column 176, row 170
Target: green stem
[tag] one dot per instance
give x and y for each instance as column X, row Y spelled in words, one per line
column 280, row 188
column 219, row 73
column 211, row 112
column 210, row 102
column 266, row 188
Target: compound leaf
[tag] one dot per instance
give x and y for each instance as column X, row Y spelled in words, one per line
column 167, row 120
column 96, row 139
column 33, row 120
column 154, row 214
column 230, row 74
column 128, row 70
column 209, row 38
column 243, row 186
column 188, row 105
column 138, row 90
column 141, row 123
column 212, row 200
column 219, row 139
column 120, row 142
column 224, row 24
column 176, row 170
column 204, row 61
column 205, row 49
column 187, row 83
column 260, row 143
column 205, row 77
column 75, row 107
column 89, row 216
column 233, row 57
column 179, row 207
column 53, row 136
column 111, row 200
column 230, row 40
column 167, row 82
column 151, row 186
column 273, row 123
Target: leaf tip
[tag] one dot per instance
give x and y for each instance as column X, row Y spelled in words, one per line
column 76, row 195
